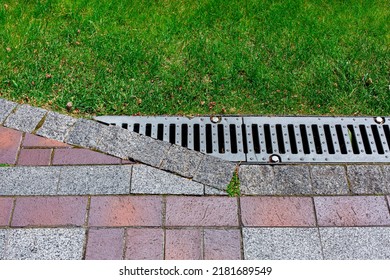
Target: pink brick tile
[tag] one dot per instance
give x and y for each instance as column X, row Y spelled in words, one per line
column 119, row 211
column 201, row 211
column 9, row 145
column 352, row 211
column 34, row 157
column 144, row 244
column 105, row 244
column 6, row 204
column 49, row 211
column 125, row 161
column 31, row 140
column 183, row 244
column 277, row 211
column 220, row 244
column 82, row 156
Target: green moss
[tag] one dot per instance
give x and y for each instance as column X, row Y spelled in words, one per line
column 233, row 189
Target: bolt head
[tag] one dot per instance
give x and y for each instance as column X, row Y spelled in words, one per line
column 379, row 120
column 215, row 119
column 275, row 158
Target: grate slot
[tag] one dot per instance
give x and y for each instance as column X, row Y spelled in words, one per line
column 317, row 140
column 340, row 137
column 293, row 141
column 136, row 127
column 172, row 133
column 329, row 139
column 160, row 131
column 366, row 141
column 377, row 139
column 209, row 139
column 280, row 139
column 255, row 139
column 242, row 144
column 233, row 139
column 221, row 139
column 387, row 134
column 268, row 139
column 197, row 137
column 125, row 125
column 305, row 141
column 353, row 139
column 184, row 135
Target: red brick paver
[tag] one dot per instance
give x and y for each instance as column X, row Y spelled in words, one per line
column 183, row 244
column 82, row 156
column 222, row 244
column 105, row 244
column 49, row 211
column 119, row 211
column 34, row 141
column 6, row 204
column 9, row 145
column 144, row 244
column 352, row 211
column 34, row 157
column 277, row 211
column 201, row 211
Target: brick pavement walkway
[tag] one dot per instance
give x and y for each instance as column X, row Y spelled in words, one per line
column 58, row 201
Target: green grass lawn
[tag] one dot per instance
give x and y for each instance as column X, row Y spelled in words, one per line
column 189, row 57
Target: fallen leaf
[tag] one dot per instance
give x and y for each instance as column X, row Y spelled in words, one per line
column 211, row 105
column 69, row 106
column 8, row 49
column 48, row 76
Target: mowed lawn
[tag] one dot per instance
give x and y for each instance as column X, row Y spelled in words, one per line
column 189, row 57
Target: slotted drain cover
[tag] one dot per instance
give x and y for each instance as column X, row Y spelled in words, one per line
column 270, row 139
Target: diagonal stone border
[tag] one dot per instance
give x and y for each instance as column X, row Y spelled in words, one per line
column 201, row 168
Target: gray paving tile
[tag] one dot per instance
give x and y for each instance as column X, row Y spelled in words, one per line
column 93, row 180
column 281, row 244
column 329, row 179
column 182, row 161
column 3, row 237
column 256, row 179
column 56, row 126
column 386, row 177
column 29, row 180
column 367, row 179
column 45, row 244
column 86, row 133
column 25, row 118
column 213, row 191
column 6, row 108
column 149, row 180
column 215, row 172
column 356, row 243
column 293, row 179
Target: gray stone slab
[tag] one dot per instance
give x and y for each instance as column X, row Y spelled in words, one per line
column 281, row 244
column 149, row 180
column 45, row 244
column 26, row 118
column 213, row 191
column 356, row 243
column 182, row 161
column 367, row 179
column 110, row 179
column 292, row 180
column 86, row 133
column 329, row 179
column 29, row 180
column 56, row 126
column 214, row 172
column 6, row 107
column 256, row 179
column 3, row 238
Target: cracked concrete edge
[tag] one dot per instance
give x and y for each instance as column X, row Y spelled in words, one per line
column 194, row 165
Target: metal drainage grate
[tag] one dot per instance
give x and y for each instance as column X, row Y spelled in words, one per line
column 270, row 139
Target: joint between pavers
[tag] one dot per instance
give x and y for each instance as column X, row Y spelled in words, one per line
column 349, row 184
column 40, row 123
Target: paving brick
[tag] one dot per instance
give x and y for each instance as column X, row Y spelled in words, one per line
column 34, row 157
column 33, row 141
column 367, row 179
column 222, row 244
column 26, row 118
column 144, row 244
column 6, row 108
column 292, row 180
column 352, row 211
column 85, row 133
column 104, row 179
column 118, row 211
column 82, row 156
column 3, row 237
column 356, row 243
column 182, row 244
column 281, row 244
column 6, row 204
column 26, row 180
column 182, row 161
column 256, row 179
column 214, row 172
column 105, row 244
column 56, row 126
column 9, row 145
column 149, row 180
column 201, row 211
column 49, row 211
column 277, row 211
column 329, row 180
column 386, row 177
column 45, row 244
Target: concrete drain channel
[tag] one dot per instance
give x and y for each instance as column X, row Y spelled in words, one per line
column 256, row 140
